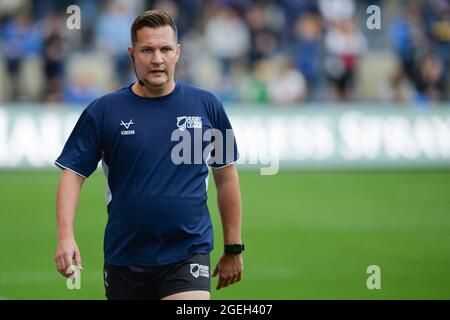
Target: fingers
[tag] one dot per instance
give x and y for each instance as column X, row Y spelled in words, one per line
column 236, row 278
column 68, row 264
column 66, row 252
column 70, row 272
column 226, row 281
column 78, row 260
column 220, row 283
column 59, row 264
column 223, row 282
column 62, row 266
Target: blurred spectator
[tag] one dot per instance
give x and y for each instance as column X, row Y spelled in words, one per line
column 253, row 88
column 308, row 51
column 421, row 38
column 113, row 35
column 81, row 90
column 227, row 37
column 293, row 9
column 53, row 54
column 287, row 86
column 408, row 37
column 398, row 89
column 430, row 81
column 336, row 11
column 344, row 44
column 21, row 39
column 263, row 39
column 436, row 15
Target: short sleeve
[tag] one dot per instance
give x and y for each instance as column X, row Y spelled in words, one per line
column 225, row 148
column 82, row 150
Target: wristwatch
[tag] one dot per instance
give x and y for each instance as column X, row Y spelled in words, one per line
column 234, row 248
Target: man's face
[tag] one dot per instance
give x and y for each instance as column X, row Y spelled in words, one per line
column 156, row 54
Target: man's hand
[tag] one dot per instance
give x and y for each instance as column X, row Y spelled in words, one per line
column 67, row 251
column 229, row 268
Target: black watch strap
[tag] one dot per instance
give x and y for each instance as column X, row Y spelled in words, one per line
column 234, row 248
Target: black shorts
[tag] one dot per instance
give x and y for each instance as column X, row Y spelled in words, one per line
column 154, row 283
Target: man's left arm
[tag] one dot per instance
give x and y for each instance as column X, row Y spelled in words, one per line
column 230, row 266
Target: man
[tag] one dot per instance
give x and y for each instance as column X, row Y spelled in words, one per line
column 159, row 233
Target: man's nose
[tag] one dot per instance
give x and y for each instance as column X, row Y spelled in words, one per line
column 157, row 58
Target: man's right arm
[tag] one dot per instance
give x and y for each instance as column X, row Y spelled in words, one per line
column 66, row 205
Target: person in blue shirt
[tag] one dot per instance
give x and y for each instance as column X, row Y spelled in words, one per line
column 148, row 136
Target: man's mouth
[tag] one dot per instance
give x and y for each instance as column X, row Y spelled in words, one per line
column 157, row 72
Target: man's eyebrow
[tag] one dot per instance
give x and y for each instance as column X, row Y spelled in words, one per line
column 162, row 45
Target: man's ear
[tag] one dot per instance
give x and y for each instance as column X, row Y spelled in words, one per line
column 131, row 51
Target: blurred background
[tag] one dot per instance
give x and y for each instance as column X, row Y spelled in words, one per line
column 355, row 120
column 284, row 52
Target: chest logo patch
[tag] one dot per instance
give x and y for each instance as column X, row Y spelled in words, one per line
column 188, row 122
column 127, row 126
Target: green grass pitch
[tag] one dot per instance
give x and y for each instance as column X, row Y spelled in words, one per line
column 309, row 235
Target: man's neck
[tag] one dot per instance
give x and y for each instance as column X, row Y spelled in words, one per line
column 144, row 91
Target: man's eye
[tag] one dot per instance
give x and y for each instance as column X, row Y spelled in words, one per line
column 167, row 49
column 146, row 50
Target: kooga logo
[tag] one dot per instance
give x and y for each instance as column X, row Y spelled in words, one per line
column 127, row 126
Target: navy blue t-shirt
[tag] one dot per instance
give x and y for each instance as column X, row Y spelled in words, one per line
column 156, row 185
